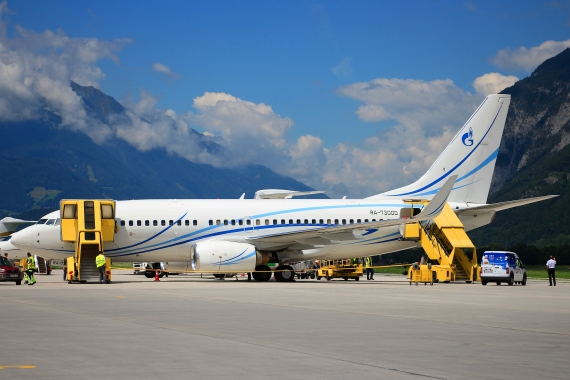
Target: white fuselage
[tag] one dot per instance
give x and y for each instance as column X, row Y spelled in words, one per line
column 165, row 230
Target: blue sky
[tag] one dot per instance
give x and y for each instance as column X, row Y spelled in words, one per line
column 300, row 75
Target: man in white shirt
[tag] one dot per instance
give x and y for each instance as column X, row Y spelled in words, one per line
column 550, row 265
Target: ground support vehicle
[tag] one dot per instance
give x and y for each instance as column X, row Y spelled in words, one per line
column 305, row 270
column 345, row 269
column 421, row 273
column 502, row 266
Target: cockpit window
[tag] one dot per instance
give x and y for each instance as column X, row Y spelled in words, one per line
column 42, row 221
column 50, row 222
column 7, row 238
column 56, row 222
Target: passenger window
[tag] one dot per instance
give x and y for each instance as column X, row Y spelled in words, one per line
column 163, row 222
column 248, row 222
column 290, row 221
column 344, row 221
column 233, row 222
column 313, row 221
column 225, row 222
column 240, row 222
column 195, row 222
column 357, row 220
column 155, row 222
column 336, row 221
column 298, row 221
column 321, row 221
column 274, row 222
column 283, row 221
column 170, row 222
column 328, row 221
column 130, row 222
column 211, row 222
column 186, row 222
column 266, row 222
column 179, row 222
column 351, row 221
column 365, row 220
column 257, row 222
column 139, row 223
column 218, row 222
column 122, row 222
column 147, row 223
column 306, row 221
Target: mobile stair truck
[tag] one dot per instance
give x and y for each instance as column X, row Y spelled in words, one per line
column 450, row 254
column 88, row 224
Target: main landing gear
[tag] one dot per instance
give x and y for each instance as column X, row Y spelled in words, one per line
column 283, row 273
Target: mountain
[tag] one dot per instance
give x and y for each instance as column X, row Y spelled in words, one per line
column 534, row 159
column 41, row 163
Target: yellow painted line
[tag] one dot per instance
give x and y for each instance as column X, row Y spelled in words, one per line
column 17, row 366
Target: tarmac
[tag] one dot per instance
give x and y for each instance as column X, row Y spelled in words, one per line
column 191, row 327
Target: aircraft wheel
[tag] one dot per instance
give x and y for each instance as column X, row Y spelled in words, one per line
column 264, row 273
column 284, row 273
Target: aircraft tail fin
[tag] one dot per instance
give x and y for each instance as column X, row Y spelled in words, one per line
column 471, row 155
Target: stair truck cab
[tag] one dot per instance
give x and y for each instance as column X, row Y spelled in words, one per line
column 502, row 266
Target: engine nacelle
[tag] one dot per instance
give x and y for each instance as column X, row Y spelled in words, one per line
column 224, row 257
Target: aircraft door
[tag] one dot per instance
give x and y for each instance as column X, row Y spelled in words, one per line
column 247, row 224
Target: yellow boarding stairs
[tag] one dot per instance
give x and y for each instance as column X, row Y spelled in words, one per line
column 451, row 254
column 88, row 224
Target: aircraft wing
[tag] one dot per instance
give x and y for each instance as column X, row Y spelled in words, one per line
column 332, row 234
column 9, row 225
column 494, row 207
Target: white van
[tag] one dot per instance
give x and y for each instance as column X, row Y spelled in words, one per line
column 500, row 266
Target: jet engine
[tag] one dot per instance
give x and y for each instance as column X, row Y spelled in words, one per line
column 225, row 257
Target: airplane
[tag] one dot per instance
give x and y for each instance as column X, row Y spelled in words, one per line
column 243, row 235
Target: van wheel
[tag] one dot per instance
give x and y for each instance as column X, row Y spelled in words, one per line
column 483, row 282
column 511, row 280
column 498, row 282
column 524, row 280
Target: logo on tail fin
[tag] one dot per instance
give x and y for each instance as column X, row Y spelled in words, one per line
column 467, row 138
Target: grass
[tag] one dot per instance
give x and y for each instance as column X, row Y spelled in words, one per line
column 533, row 271
column 539, row 271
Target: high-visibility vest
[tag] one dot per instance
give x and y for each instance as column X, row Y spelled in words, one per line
column 30, row 263
column 100, row 260
column 368, row 262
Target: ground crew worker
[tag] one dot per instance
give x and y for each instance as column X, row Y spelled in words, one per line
column 100, row 262
column 369, row 269
column 30, row 269
column 550, row 267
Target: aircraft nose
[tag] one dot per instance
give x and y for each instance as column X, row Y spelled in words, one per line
column 22, row 239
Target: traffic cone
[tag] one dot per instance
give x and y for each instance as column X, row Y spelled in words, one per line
column 156, row 278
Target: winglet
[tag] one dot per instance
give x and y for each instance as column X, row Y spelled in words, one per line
column 434, row 208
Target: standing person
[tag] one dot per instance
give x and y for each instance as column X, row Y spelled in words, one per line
column 30, row 269
column 100, row 262
column 369, row 269
column 550, row 265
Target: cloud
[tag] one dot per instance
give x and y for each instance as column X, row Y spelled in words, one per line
column 493, row 83
column 253, row 132
column 344, row 69
column 528, row 59
column 165, row 70
column 36, row 70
